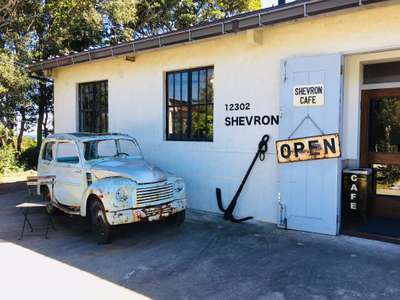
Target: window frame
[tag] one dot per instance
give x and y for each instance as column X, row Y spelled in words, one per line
column 96, row 110
column 189, row 71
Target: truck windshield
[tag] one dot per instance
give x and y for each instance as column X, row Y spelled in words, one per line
column 111, row 148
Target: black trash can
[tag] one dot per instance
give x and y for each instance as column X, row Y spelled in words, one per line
column 356, row 186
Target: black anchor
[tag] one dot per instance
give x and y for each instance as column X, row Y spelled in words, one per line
column 228, row 213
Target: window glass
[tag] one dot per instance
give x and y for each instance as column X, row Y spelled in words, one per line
column 128, row 147
column 384, row 132
column 382, row 72
column 387, row 179
column 190, row 115
column 93, row 107
column 185, row 86
column 170, row 79
column 178, row 88
column 48, row 151
column 67, row 153
column 203, row 86
column 195, row 86
column 106, row 148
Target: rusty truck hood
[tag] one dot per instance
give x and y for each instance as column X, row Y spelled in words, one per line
column 136, row 169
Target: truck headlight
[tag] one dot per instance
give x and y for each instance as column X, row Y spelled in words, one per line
column 122, row 194
column 179, row 185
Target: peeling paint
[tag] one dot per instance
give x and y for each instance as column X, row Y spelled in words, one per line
column 130, row 189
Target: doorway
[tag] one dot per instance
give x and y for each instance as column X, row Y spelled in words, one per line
column 380, row 151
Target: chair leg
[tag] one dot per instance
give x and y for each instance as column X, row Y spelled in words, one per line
column 26, row 221
column 23, row 229
column 29, row 222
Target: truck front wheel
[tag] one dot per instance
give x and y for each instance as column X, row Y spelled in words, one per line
column 176, row 219
column 100, row 227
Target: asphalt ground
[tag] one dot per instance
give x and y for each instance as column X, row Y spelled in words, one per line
column 205, row 258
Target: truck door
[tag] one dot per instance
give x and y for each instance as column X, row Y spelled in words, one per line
column 69, row 185
column 310, row 190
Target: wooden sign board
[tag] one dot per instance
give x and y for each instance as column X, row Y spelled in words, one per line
column 308, row 148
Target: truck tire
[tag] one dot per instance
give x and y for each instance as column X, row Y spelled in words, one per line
column 100, row 227
column 177, row 219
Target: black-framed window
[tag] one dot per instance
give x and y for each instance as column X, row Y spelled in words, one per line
column 93, row 106
column 190, row 104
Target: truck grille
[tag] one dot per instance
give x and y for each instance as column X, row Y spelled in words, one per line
column 154, row 193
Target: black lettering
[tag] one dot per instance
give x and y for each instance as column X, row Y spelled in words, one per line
column 266, row 120
column 275, row 120
column 227, row 121
column 285, row 151
column 249, row 120
column 234, row 121
column 312, row 146
column 241, row 121
column 298, row 148
column 331, row 146
column 257, row 120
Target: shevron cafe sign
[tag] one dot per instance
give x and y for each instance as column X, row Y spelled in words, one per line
column 308, row 148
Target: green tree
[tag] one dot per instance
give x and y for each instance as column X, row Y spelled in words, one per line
column 158, row 16
column 39, row 29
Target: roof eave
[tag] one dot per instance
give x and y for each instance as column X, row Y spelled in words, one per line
column 225, row 26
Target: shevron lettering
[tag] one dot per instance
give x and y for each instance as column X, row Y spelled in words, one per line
column 252, row 120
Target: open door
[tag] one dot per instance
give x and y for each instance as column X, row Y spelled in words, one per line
column 380, row 150
column 310, row 190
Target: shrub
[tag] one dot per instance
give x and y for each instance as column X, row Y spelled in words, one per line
column 28, row 158
column 8, row 161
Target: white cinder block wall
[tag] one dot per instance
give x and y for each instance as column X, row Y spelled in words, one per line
column 244, row 72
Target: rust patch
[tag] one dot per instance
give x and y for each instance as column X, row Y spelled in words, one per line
column 308, row 148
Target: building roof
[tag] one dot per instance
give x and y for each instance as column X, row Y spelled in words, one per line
column 272, row 15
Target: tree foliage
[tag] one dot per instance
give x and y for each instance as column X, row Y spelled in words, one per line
column 38, row 29
column 157, row 16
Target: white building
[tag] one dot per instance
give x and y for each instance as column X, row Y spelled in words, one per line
column 199, row 100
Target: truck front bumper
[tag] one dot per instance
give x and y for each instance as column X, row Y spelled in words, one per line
column 153, row 213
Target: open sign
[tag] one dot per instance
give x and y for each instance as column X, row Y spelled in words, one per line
column 308, row 148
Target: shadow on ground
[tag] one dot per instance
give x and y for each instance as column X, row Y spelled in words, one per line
column 210, row 258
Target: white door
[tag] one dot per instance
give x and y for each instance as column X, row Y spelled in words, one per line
column 46, row 159
column 310, row 190
column 70, row 184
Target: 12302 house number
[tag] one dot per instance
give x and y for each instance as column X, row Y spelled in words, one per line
column 237, row 106
column 248, row 120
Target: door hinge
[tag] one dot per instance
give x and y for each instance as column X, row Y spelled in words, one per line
column 341, row 69
column 284, row 71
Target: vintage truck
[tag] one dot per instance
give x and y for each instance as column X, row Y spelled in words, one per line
column 105, row 178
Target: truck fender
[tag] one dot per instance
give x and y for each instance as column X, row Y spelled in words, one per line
column 105, row 190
